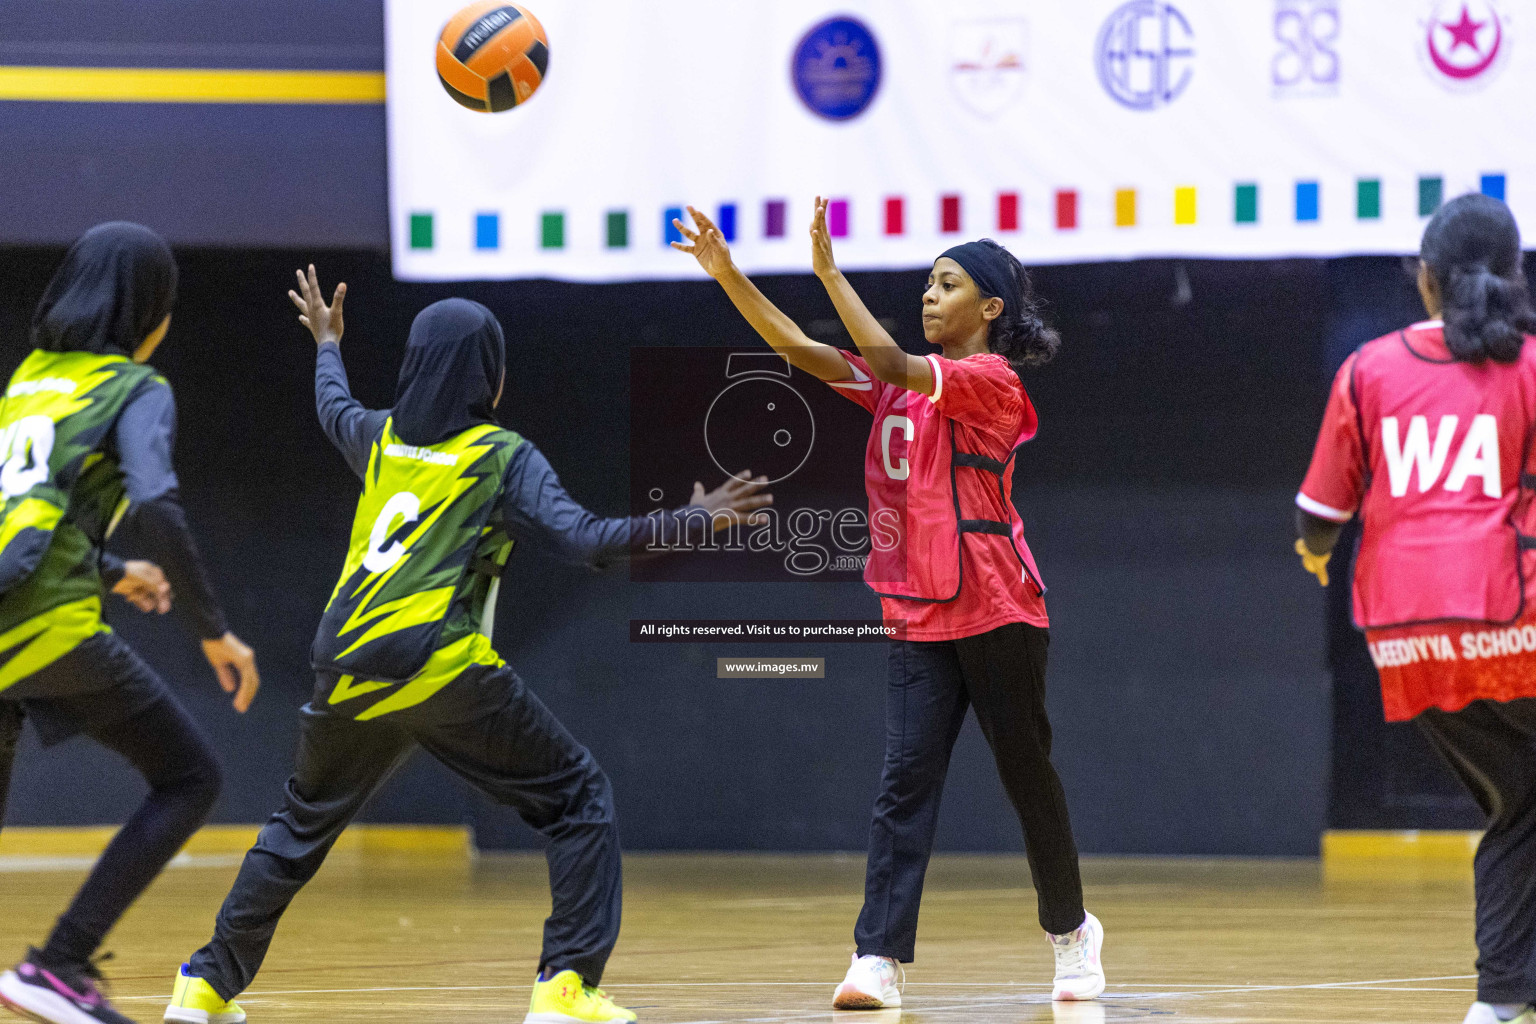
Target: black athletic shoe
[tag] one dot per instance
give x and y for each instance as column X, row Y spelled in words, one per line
column 57, row 994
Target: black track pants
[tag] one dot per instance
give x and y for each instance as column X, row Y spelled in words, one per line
column 11, row 719
column 1001, row 674
column 103, row 689
column 1491, row 746
column 495, row 733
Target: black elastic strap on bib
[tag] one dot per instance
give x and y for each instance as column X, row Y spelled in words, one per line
column 985, row 526
column 486, row 567
column 1528, row 481
column 1527, row 543
column 973, row 461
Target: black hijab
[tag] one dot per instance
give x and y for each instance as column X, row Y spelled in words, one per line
column 117, row 282
column 453, row 367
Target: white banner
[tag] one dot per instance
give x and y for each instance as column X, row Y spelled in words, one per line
column 1090, row 130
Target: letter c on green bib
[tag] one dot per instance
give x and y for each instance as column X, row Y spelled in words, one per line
column 404, row 505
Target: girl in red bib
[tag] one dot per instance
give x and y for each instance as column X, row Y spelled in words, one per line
column 1428, row 436
column 950, row 564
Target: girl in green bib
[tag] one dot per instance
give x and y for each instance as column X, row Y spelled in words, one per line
column 86, row 431
column 403, row 655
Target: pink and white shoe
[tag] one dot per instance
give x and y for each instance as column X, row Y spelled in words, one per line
column 1079, row 972
column 872, row 983
column 56, row 994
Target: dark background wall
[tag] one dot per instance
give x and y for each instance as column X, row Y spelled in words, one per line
column 1190, row 656
column 1189, row 690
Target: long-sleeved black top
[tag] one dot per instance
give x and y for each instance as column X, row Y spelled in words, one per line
column 143, row 439
column 535, row 507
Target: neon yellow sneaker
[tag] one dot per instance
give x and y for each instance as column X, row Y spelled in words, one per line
column 566, row 999
column 193, row 1001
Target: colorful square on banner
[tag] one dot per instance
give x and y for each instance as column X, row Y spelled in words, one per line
column 1307, row 201
column 895, row 215
column 837, row 218
column 1066, row 209
column 1007, row 211
column 1431, row 194
column 1125, row 208
column 421, row 231
column 1368, row 199
column 773, row 218
column 1245, row 203
column 949, row 214
column 1185, row 209
column 618, row 229
column 487, row 231
column 669, row 232
column 725, row 220
column 1493, row 185
column 552, row 230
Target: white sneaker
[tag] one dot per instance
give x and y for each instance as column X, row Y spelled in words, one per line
column 1079, row 972
column 1486, row 1013
column 870, row 984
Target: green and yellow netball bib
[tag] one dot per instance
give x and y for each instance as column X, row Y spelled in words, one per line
column 61, row 496
column 422, row 561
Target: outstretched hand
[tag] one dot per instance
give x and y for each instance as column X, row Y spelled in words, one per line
column 740, row 493
column 707, row 244
column 822, row 262
column 323, row 321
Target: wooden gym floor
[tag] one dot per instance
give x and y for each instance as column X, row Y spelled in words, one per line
column 381, row 937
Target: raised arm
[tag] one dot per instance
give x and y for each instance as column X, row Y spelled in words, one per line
column 707, row 245
column 350, row 427
column 887, row 360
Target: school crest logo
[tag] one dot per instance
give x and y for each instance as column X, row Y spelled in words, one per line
column 1464, row 43
column 987, row 63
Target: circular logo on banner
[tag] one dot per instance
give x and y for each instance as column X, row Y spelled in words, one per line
column 1465, row 41
column 1146, row 54
column 836, row 68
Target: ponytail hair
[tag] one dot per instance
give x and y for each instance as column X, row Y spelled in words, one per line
column 1020, row 335
column 1472, row 250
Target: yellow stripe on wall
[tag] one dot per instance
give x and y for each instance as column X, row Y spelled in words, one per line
column 236, row 839
column 189, row 85
column 1407, row 856
column 1420, row 845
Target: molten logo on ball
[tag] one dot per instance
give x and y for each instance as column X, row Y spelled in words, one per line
column 491, row 56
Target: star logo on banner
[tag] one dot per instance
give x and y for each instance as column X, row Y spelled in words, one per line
column 1464, row 39
column 1464, row 32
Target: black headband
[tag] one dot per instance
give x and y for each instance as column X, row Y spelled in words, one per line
column 987, row 266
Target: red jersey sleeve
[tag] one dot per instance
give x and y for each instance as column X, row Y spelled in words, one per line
column 1335, row 482
column 984, row 392
column 862, row 387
